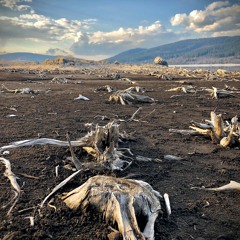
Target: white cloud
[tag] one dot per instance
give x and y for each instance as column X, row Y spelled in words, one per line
column 30, row 28
column 217, row 19
column 41, row 27
column 14, row 5
column 122, row 39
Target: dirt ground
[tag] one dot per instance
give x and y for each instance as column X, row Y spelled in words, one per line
column 196, row 213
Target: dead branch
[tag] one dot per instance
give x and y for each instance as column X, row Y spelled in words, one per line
column 134, row 114
column 230, row 186
column 13, row 180
column 184, row 132
column 60, row 185
column 74, row 159
column 121, row 201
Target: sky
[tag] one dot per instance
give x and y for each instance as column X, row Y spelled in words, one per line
column 97, row 29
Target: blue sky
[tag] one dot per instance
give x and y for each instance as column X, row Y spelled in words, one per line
column 96, row 29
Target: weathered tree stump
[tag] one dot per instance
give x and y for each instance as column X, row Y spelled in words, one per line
column 122, row 201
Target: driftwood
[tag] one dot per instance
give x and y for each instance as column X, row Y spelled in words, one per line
column 216, row 129
column 128, row 96
column 185, row 89
column 13, row 179
column 220, row 93
column 81, row 97
column 230, row 186
column 106, row 88
column 101, row 143
column 124, row 201
column 21, row 90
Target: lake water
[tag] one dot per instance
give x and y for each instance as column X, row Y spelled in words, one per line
column 211, row 67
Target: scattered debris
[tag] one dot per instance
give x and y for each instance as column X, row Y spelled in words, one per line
column 106, row 88
column 128, row 80
column 81, row 97
column 59, row 80
column 172, row 158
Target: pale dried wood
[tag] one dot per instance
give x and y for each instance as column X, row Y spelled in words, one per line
column 233, row 185
column 120, row 200
column 13, row 180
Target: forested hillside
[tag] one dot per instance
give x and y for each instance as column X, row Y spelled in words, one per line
column 205, row 50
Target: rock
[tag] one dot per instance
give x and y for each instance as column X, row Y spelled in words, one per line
column 159, row 61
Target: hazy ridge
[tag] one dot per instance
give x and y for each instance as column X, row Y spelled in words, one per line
column 193, row 51
column 218, row 50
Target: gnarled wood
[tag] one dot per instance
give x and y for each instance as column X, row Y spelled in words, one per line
column 120, row 200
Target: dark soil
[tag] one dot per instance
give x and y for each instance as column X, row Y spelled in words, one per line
column 196, row 213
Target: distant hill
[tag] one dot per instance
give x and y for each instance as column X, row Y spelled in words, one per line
column 24, row 56
column 204, row 50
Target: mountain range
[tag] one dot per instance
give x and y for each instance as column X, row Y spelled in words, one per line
column 204, row 50
column 191, row 51
column 25, row 56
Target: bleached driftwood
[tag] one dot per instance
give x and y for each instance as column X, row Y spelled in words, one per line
column 81, row 97
column 43, row 141
column 230, row 139
column 101, row 143
column 184, row 132
column 120, row 200
column 216, row 129
column 21, row 90
column 167, row 203
column 127, row 96
column 230, row 186
column 13, row 179
column 219, row 93
column 185, row 89
column 172, row 158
